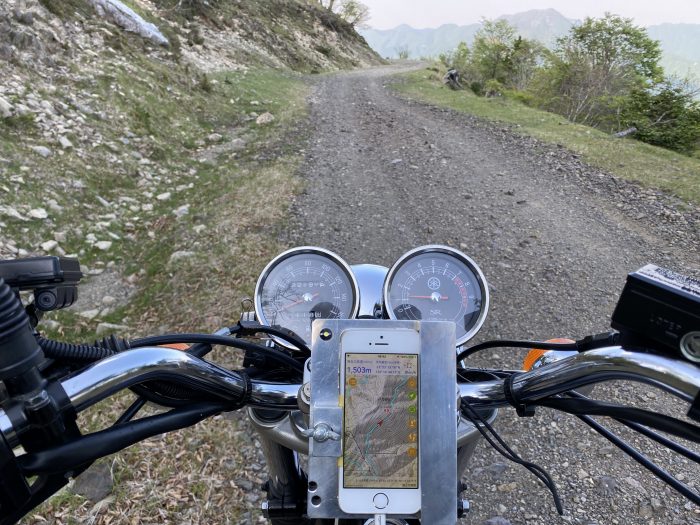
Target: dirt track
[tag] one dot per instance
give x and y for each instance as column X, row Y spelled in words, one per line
column 384, row 175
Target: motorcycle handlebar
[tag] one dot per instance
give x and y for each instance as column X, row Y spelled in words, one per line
column 132, row 367
column 594, row 366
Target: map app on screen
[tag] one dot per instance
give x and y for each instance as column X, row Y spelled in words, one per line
column 380, row 442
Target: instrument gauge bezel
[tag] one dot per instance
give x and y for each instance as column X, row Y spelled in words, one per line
column 333, row 257
column 450, row 252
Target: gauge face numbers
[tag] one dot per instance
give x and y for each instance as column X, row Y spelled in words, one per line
column 438, row 284
column 302, row 285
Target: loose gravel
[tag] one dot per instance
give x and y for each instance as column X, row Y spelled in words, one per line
column 555, row 239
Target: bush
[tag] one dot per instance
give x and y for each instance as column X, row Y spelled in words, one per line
column 666, row 115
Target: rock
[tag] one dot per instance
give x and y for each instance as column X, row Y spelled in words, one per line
column 396, row 161
column 9, row 211
column 104, row 328
column 24, row 17
column 163, row 196
column 48, row 245
column 497, row 469
column 5, row 108
column 42, row 150
column 238, row 144
column 199, row 228
column 95, row 483
column 501, row 508
column 181, row 211
column 50, row 324
column 497, row 520
column 108, row 300
column 606, row 485
column 180, row 254
column 89, row 314
column 128, row 19
column 38, row 213
column 64, row 142
column 54, row 206
column 265, row 118
column 103, row 245
column 147, row 207
column 215, row 137
column 254, row 103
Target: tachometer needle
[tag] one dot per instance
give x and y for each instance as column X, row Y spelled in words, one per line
column 435, row 297
column 306, row 298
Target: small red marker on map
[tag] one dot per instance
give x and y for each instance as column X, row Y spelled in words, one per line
column 380, row 423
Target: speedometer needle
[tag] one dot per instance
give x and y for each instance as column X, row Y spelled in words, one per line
column 306, row 298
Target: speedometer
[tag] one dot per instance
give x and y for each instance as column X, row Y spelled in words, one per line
column 438, row 283
column 303, row 284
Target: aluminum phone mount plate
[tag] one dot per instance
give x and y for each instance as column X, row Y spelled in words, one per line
column 437, row 422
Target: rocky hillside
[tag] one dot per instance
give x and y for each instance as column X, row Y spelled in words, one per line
column 89, row 110
column 109, row 140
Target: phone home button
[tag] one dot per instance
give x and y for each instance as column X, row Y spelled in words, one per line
column 381, row 500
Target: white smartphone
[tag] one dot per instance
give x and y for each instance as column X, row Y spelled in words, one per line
column 379, row 471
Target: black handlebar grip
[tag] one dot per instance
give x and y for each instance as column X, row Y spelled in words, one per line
column 19, row 351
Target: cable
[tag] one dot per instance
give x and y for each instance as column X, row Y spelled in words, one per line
column 589, row 407
column 244, row 328
column 275, row 355
column 131, row 412
column 640, row 458
column 515, row 344
column 587, row 343
column 508, row 453
column 87, row 449
column 662, row 440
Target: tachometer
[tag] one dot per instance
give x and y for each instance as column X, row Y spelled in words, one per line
column 438, row 283
column 303, row 284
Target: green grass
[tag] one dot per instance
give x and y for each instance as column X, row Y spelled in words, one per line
column 651, row 166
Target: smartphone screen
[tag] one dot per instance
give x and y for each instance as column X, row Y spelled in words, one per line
column 380, row 445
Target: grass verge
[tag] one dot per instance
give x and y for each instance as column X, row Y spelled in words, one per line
column 228, row 180
column 651, row 166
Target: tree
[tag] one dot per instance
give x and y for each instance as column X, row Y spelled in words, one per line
column 492, row 50
column 595, row 67
column 354, row 12
column 667, row 115
column 498, row 53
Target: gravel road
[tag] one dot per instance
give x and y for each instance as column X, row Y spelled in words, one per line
column 555, row 239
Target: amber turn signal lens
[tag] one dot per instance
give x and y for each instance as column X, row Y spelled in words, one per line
column 534, row 354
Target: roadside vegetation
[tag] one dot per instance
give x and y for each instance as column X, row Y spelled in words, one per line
column 604, row 73
column 602, row 79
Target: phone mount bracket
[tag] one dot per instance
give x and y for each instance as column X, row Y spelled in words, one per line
column 438, row 410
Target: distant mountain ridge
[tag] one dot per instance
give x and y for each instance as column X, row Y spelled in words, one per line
column 680, row 42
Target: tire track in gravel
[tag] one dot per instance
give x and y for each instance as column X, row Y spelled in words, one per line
column 385, row 174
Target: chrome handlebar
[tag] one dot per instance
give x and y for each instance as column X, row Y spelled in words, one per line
column 131, row 367
column 594, row 366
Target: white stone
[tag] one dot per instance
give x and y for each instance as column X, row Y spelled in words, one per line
column 199, row 228
column 103, row 245
column 108, row 300
column 163, row 196
column 9, row 211
column 38, row 213
column 89, row 314
column 64, row 142
column 53, row 205
column 42, row 150
column 59, row 236
column 215, row 137
column 5, row 108
column 104, row 328
column 181, row 254
column 182, row 211
column 147, row 207
column 48, row 245
column 265, row 118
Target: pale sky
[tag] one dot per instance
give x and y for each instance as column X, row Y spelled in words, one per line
column 387, row 14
